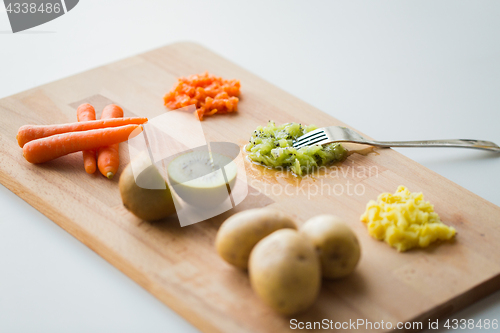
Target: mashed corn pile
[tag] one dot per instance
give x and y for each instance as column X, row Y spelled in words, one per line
column 404, row 220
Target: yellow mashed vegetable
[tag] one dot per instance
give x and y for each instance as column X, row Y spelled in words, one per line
column 404, row 220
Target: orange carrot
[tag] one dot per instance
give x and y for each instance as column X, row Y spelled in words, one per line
column 86, row 112
column 108, row 157
column 32, row 132
column 46, row 149
column 210, row 94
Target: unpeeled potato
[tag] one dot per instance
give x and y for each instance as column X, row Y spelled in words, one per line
column 285, row 271
column 336, row 244
column 238, row 234
column 153, row 201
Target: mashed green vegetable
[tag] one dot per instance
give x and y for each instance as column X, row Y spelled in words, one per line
column 273, row 146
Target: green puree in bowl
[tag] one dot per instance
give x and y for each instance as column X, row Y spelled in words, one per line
column 272, row 146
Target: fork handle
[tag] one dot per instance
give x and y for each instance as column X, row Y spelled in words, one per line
column 460, row 143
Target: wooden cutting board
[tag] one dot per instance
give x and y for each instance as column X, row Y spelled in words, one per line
column 180, row 265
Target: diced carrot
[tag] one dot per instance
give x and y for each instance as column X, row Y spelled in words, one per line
column 209, row 93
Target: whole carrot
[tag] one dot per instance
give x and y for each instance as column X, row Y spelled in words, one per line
column 46, row 149
column 28, row 133
column 108, row 157
column 86, row 112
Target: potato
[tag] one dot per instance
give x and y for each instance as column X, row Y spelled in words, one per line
column 285, row 271
column 152, row 203
column 238, row 234
column 336, row 244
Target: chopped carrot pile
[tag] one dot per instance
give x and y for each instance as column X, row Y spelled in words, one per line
column 209, row 93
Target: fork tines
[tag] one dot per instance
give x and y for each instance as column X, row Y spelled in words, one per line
column 310, row 138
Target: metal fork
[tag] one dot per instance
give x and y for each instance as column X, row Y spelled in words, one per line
column 325, row 135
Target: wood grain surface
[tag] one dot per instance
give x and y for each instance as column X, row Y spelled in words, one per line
column 180, row 265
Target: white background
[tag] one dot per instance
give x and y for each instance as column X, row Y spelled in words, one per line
column 395, row 70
